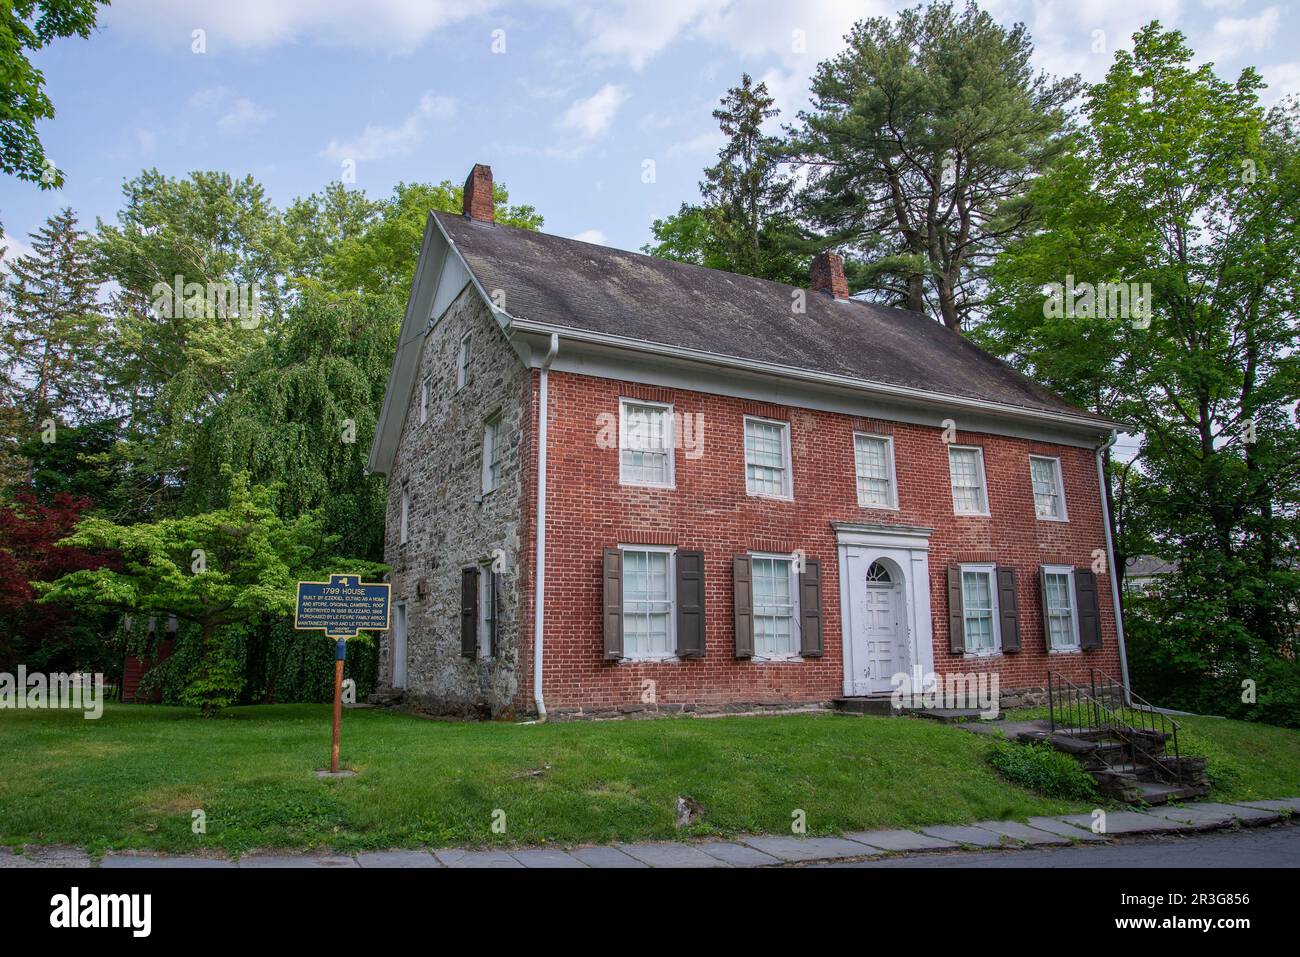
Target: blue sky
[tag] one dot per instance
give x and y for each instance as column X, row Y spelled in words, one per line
column 567, row 114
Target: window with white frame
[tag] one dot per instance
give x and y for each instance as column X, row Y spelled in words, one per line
column 645, row 431
column 1049, row 493
column 979, row 600
column 767, row 457
column 874, row 457
column 648, row 625
column 406, row 514
column 487, row 609
column 1062, row 624
column 424, row 401
column 966, row 470
column 462, row 363
column 776, row 607
column 491, row 453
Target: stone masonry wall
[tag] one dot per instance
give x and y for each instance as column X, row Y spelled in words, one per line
column 440, row 462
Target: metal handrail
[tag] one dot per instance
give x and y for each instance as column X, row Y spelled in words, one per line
column 1073, row 708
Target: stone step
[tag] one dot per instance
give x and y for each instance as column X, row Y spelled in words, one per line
column 878, row 705
column 1156, row 793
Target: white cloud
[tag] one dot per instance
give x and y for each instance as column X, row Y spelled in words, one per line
column 388, row 26
column 14, row 248
column 591, row 117
column 1283, row 79
column 591, row 236
column 634, row 31
column 387, row 142
column 709, row 141
column 1233, row 36
column 148, row 141
column 244, row 116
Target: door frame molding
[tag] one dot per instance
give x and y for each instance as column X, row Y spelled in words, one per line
column 908, row 547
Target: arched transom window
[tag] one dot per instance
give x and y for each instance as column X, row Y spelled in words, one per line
column 879, row 574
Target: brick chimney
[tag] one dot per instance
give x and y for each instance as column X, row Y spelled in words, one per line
column 828, row 275
column 478, row 194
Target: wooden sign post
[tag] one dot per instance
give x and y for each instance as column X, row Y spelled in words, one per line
column 341, row 607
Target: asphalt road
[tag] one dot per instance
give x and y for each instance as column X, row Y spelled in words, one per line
column 1277, row 846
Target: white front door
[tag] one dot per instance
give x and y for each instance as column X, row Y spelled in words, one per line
column 878, row 627
column 399, row 646
column 881, row 623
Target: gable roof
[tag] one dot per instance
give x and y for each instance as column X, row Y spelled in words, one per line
column 594, row 289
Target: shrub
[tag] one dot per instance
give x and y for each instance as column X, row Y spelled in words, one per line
column 1042, row 769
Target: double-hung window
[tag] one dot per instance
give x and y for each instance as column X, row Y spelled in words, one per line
column 767, row 458
column 405, row 525
column 424, row 401
column 488, row 590
column 776, row 607
column 648, row 602
column 966, row 470
column 1060, row 619
column 874, row 458
column 645, row 431
column 979, row 599
column 492, row 453
column 1049, row 494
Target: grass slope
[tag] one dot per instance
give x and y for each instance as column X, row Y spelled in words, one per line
column 133, row 778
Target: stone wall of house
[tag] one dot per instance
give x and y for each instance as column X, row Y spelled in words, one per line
column 451, row 524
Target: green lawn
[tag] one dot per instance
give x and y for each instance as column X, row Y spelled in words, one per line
column 134, row 777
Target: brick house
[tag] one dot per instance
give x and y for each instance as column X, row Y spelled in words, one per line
column 616, row 481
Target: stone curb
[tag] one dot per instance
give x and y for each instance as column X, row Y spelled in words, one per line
column 763, row 850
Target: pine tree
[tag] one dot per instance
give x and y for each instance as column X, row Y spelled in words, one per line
column 52, row 326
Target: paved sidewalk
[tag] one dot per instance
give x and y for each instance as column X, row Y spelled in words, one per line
column 768, row 850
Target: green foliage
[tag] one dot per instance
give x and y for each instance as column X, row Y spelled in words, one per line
column 237, row 563
column 1043, row 770
column 381, row 259
column 27, row 26
column 52, row 326
column 923, row 138
column 745, row 224
column 304, row 417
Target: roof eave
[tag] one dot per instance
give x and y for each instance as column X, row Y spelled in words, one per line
column 1083, row 423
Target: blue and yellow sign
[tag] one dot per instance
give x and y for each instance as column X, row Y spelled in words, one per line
column 342, row 606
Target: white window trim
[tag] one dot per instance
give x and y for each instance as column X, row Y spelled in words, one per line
column 996, row 624
column 463, row 358
column 1068, row 572
column 795, row 619
column 893, row 474
column 788, row 495
column 425, row 389
column 984, row 482
column 404, row 522
column 671, row 551
column 484, row 600
column 1060, row 489
column 485, row 455
column 670, row 437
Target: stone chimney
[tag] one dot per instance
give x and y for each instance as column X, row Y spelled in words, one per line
column 478, row 194
column 828, row 275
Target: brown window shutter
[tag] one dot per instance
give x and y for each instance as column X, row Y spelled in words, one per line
column 956, row 620
column 690, row 604
column 469, row 612
column 1008, row 610
column 494, row 611
column 810, row 609
column 1085, row 594
column 612, row 576
column 742, row 582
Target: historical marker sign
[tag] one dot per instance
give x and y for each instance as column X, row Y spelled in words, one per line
column 342, row 606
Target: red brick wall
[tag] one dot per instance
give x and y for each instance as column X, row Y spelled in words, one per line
column 588, row 510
